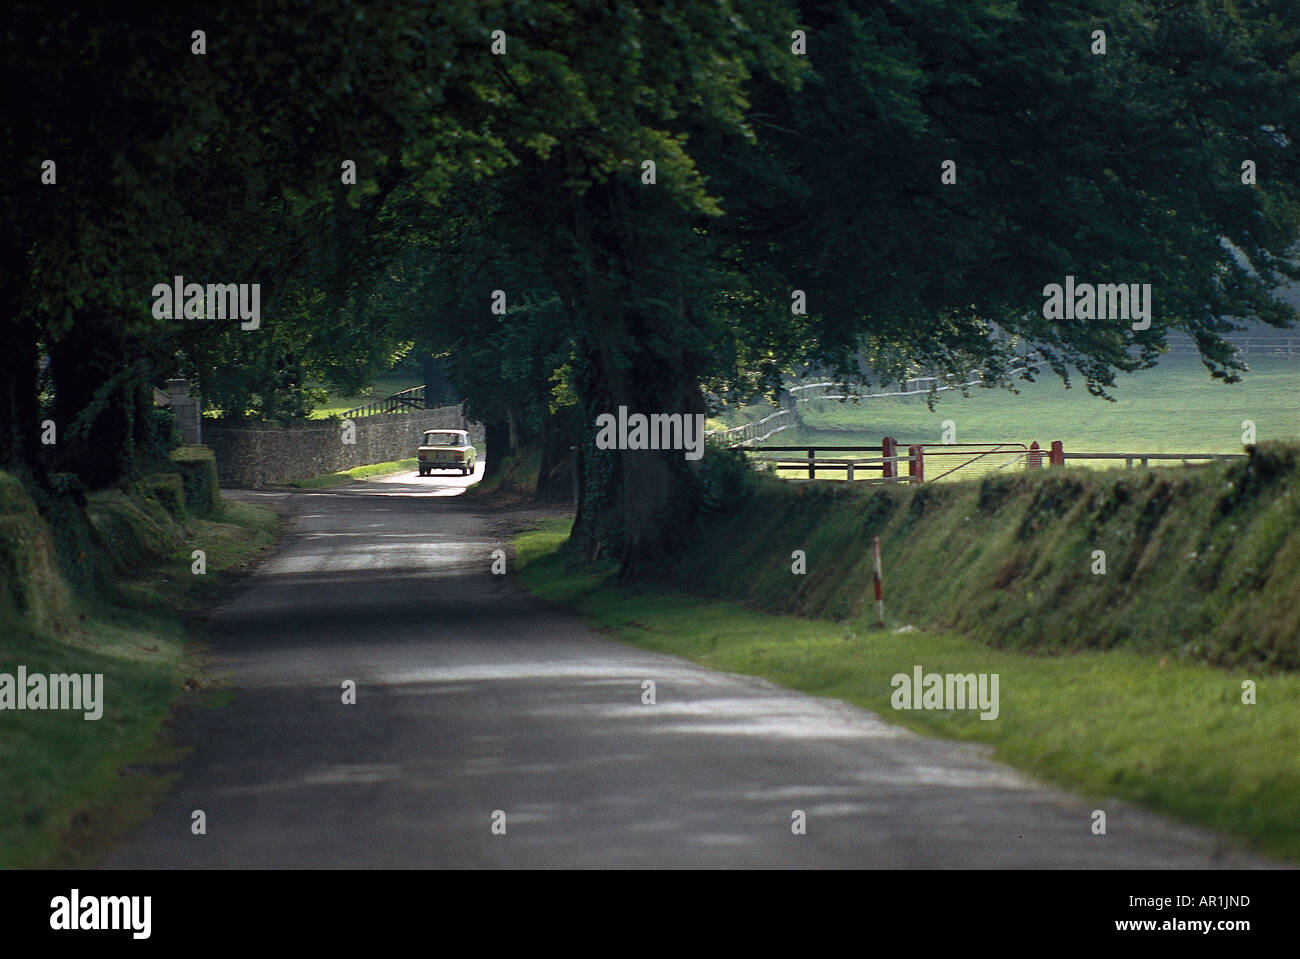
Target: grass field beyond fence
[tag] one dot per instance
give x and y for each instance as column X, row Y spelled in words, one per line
column 1174, row 408
column 339, row 403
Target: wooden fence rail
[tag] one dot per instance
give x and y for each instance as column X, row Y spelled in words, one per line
column 404, row 402
column 1129, row 459
column 975, row 458
column 886, row 465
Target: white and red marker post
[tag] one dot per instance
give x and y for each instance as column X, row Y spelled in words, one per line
column 880, row 589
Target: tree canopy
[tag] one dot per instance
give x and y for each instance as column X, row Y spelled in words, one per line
column 918, row 170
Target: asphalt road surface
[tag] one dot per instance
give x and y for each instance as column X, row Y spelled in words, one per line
column 472, row 700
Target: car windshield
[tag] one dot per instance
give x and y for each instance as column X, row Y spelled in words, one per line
column 444, row 439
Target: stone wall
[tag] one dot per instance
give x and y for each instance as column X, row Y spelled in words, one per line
column 252, row 457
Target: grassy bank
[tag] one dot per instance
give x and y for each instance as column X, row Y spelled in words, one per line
column 355, row 474
column 1200, row 563
column 1173, row 736
column 514, row 482
column 111, row 589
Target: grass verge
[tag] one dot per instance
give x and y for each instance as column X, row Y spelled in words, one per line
column 71, row 787
column 514, row 483
column 1198, row 563
column 356, row 473
column 1172, row 736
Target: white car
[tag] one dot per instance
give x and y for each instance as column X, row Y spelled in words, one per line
column 446, row 450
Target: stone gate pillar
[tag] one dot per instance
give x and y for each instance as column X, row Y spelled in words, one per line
column 186, row 409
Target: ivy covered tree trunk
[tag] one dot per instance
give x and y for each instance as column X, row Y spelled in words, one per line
column 20, row 420
column 555, row 475
column 639, row 348
column 94, row 404
column 638, row 504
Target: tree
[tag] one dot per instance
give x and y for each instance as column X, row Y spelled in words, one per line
column 590, row 105
column 443, row 287
column 1122, row 167
column 772, row 172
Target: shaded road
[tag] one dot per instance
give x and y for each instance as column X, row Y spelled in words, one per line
column 473, row 698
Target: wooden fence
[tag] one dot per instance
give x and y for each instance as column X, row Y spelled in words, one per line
column 944, row 460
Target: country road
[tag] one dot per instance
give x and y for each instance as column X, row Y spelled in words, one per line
column 473, row 698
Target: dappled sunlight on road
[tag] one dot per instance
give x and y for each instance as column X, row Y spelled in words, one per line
column 413, row 484
column 471, row 697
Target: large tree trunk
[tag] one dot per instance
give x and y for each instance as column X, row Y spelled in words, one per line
column 512, row 423
column 20, row 421
column 637, row 505
column 438, row 389
column 101, row 449
column 496, row 440
column 555, row 476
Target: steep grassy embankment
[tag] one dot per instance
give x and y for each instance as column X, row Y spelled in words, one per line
column 105, row 584
column 1201, row 562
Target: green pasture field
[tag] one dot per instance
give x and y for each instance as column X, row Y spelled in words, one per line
column 1174, row 408
column 337, row 404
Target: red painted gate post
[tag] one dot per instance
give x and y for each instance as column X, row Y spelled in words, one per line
column 1035, row 459
column 1057, row 456
column 876, row 575
column 888, row 448
column 915, row 465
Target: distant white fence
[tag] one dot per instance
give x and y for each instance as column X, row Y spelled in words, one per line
column 753, row 432
column 917, row 386
column 1247, row 346
column 774, row 423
